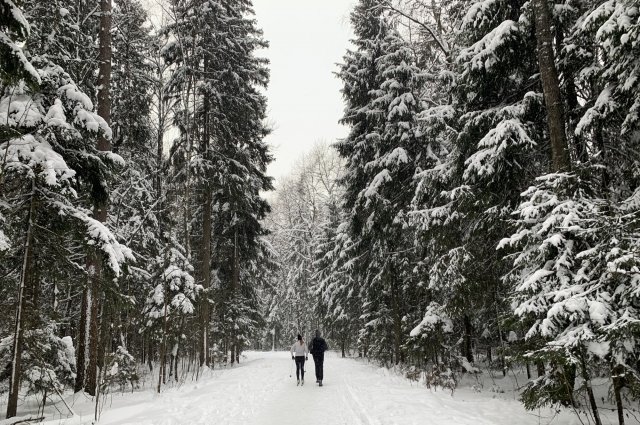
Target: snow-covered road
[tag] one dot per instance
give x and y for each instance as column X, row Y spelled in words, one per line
column 260, row 392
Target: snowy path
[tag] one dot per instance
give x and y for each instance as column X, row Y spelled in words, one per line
column 260, row 392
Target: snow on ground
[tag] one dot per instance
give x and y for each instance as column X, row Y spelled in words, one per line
column 260, row 391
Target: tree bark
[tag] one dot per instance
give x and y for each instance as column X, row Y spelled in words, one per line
column 569, row 374
column 235, row 282
column 206, row 235
column 93, row 308
column 206, row 279
column 468, row 346
column 150, row 354
column 18, row 335
column 560, row 159
column 81, row 351
column 397, row 318
column 101, row 205
column 587, row 383
column 618, row 385
column 104, row 72
column 163, row 347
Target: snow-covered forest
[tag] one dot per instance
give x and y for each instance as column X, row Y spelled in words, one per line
column 481, row 218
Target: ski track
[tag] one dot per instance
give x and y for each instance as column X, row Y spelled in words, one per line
column 260, row 392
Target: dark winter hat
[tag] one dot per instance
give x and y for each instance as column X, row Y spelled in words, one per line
column 299, row 337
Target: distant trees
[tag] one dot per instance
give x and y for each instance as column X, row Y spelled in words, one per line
column 304, row 211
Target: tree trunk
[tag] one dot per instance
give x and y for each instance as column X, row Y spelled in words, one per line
column 235, row 282
column 94, row 266
column 81, row 351
column 106, row 320
column 599, row 139
column 175, row 364
column 397, row 318
column 163, row 348
column 206, row 279
column 67, row 328
column 171, row 360
column 618, row 385
column 160, row 142
column 150, row 354
column 18, row 334
column 206, row 236
column 44, row 401
column 104, row 71
column 94, row 263
column 590, row 396
column 560, row 159
column 569, row 372
column 468, row 331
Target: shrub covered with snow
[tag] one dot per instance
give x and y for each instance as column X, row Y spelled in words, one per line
column 120, row 369
column 48, row 361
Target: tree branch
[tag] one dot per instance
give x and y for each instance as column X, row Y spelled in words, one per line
column 430, row 30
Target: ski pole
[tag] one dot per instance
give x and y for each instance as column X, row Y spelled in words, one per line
column 291, row 371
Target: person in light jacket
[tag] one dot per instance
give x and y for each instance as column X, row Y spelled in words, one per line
column 299, row 353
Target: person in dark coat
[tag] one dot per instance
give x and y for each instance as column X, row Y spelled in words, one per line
column 318, row 347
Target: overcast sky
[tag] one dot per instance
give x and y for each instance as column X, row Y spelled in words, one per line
column 307, row 38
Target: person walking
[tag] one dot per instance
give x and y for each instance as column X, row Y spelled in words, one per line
column 318, row 347
column 299, row 353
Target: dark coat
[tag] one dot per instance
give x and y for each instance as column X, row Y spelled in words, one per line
column 318, row 346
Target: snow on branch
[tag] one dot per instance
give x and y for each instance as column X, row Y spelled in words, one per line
column 100, row 236
column 36, row 158
column 19, row 54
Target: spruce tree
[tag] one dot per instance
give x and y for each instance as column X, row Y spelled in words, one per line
column 48, row 161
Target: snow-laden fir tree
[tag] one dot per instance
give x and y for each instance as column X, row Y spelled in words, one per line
column 576, row 264
column 238, row 129
column 382, row 89
column 487, row 143
column 48, row 362
column 135, row 202
column 170, row 304
column 216, row 84
column 49, row 158
column 66, row 32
